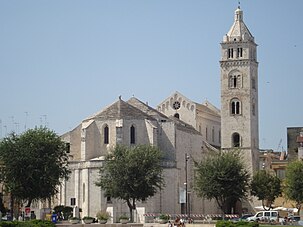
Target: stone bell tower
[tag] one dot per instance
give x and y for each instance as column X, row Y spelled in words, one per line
column 239, row 92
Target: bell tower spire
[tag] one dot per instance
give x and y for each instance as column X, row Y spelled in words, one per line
column 239, row 92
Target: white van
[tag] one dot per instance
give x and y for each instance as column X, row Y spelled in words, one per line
column 270, row 216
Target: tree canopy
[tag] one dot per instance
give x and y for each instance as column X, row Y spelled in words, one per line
column 266, row 187
column 32, row 164
column 294, row 182
column 222, row 177
column 132, row 174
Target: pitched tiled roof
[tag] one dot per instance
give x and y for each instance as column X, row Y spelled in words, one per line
column 146, row 108
column 120, row 110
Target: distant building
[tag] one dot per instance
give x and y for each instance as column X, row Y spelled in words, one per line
column 294, row 143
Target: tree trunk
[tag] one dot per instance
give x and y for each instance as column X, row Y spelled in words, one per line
column 131, row 206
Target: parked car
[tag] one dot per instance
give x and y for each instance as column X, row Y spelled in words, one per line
column 242, row 218
column 270, row 216
column 245, row 216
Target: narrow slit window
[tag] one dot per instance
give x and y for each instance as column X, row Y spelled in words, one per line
column 106, row 135
column 132, row 135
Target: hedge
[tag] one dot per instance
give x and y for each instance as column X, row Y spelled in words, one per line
column 32, row 223
column 236, row 224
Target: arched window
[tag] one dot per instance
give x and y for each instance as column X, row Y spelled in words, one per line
column 106, row 134
column 236, row 140
column 235, row 107
column 177, row 115
column 132, row 135
column 213, row 134
column 235, row 81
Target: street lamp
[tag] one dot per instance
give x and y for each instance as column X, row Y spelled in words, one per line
column 186, row 192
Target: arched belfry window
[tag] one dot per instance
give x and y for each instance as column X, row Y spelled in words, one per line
column 132, row 135
column 177, row 115
column 235, row 81
column 106, row 134
column 236, row 140
column 235, row 106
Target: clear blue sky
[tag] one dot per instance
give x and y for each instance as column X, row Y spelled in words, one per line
column 61, row 61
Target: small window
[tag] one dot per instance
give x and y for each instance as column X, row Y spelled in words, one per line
column 236, row 139
column 230, row 53
column 235, row 81
column 206, row 133
column 108, row 199
column 132, row 135
column 67, row 148
column 239, row 52
column 177, row 116
column 213, row 134
column 106, row 134
column 235, row 107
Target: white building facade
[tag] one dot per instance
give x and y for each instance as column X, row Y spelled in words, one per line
column 131, row 123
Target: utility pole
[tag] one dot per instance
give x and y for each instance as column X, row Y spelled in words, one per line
column 186, row 183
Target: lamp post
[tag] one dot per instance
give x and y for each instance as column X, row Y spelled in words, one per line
column 186, row 192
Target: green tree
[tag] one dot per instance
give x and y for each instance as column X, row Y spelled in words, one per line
column 294, row 182
column 266, row 187
column 32, row 164
column 132, row 174
column 223, row 177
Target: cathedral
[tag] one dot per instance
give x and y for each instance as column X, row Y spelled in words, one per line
column 182, row 129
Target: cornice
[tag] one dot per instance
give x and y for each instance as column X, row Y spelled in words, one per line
column 243, row 63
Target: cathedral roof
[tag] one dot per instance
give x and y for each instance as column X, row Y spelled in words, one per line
column 146, row 108
column 206, row 106
column 238, row 31
column 120, row 110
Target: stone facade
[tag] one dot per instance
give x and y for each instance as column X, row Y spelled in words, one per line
column 294, row 143
column 204, row 117
column 239, row 92
column 130, row 123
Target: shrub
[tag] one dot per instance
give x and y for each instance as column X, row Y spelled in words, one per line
column 87, row 218
column 63, row 211
column 32, row 223
column 103, row 215
column 236, row 224
column 123, row 216
column 164, row 217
